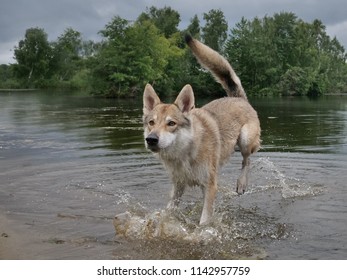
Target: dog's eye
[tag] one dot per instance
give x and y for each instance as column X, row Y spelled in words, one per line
column 171, row 123
column 151, row 123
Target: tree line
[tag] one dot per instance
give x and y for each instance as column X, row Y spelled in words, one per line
column 273, row 55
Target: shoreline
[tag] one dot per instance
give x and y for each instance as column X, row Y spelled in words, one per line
column 19, row 242
column 17, row 89
column 10, row 241
column 22, row 240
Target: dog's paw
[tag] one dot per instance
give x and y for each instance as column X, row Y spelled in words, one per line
column 241, row 186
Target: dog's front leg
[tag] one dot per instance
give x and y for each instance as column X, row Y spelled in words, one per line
column 175, row 197
column 209, row 198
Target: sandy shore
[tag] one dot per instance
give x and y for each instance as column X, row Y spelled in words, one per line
column 21, row 239
column 17, row 242
column 10, row 241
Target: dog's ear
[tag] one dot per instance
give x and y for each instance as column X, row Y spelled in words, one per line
column 185, row 100
column 150, row 99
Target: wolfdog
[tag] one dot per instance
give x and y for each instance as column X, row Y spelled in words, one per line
column 194, row 142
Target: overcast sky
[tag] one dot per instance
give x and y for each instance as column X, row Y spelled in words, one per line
column 90, row 16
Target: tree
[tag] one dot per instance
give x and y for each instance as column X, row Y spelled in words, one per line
column 33, row 54
column 194, row 27
column 284, row 39
column 115, row 30
column 66, row 54
column 294, row 82
column 277, row 54
column 7, row 77
column 201, row 80
column 165, row 19
column 132, row 55
column 89, row 48
column 214, row 33
column 284, row 55
column 5, row 73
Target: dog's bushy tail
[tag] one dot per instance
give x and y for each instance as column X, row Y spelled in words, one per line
column 218, row 66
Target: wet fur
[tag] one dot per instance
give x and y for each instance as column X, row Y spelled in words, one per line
column 194, row 142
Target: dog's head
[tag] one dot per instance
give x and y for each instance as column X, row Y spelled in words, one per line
column 167, row 125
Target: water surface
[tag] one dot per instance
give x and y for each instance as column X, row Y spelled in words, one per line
column 69, row 163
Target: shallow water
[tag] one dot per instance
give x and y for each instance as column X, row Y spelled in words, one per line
column 70, row 163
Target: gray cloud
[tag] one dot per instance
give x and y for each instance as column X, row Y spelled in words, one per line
column 90, row 16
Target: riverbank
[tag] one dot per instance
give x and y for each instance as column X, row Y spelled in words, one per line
column 10, row 241
column 19, row 242
column 16, row 89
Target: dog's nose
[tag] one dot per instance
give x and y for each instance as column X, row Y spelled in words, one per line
column 152, row 140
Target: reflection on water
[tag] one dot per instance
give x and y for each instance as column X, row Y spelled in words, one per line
column 302, row 124
column 70, row 163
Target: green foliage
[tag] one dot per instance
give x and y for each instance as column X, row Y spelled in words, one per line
column 294, row 82
column 33, row 56
column 65, row 54
column 131, row 56
column 284, row 55
column 165, row 19
column 194, row 27
column 277, row 54
column 7, row 77
column 214, row 33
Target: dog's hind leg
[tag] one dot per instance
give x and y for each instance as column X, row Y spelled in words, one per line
column 249, row 143
column 242, row 181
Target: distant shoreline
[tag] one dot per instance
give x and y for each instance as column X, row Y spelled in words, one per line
column 335, row 94
column 16, row 89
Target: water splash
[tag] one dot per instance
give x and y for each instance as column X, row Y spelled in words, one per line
column 122, row 197
column 232, row 234
column 236, row 231
column 155, row 224
column 290, row 187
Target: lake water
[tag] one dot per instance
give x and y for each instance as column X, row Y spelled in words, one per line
column 69, row 163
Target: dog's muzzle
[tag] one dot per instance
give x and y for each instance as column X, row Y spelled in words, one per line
column 152, row 141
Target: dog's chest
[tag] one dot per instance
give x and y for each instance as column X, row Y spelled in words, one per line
column 187, row 173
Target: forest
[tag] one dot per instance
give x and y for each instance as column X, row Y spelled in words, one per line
column 274, row 55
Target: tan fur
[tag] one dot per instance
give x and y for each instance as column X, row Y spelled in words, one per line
column 194, row 142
